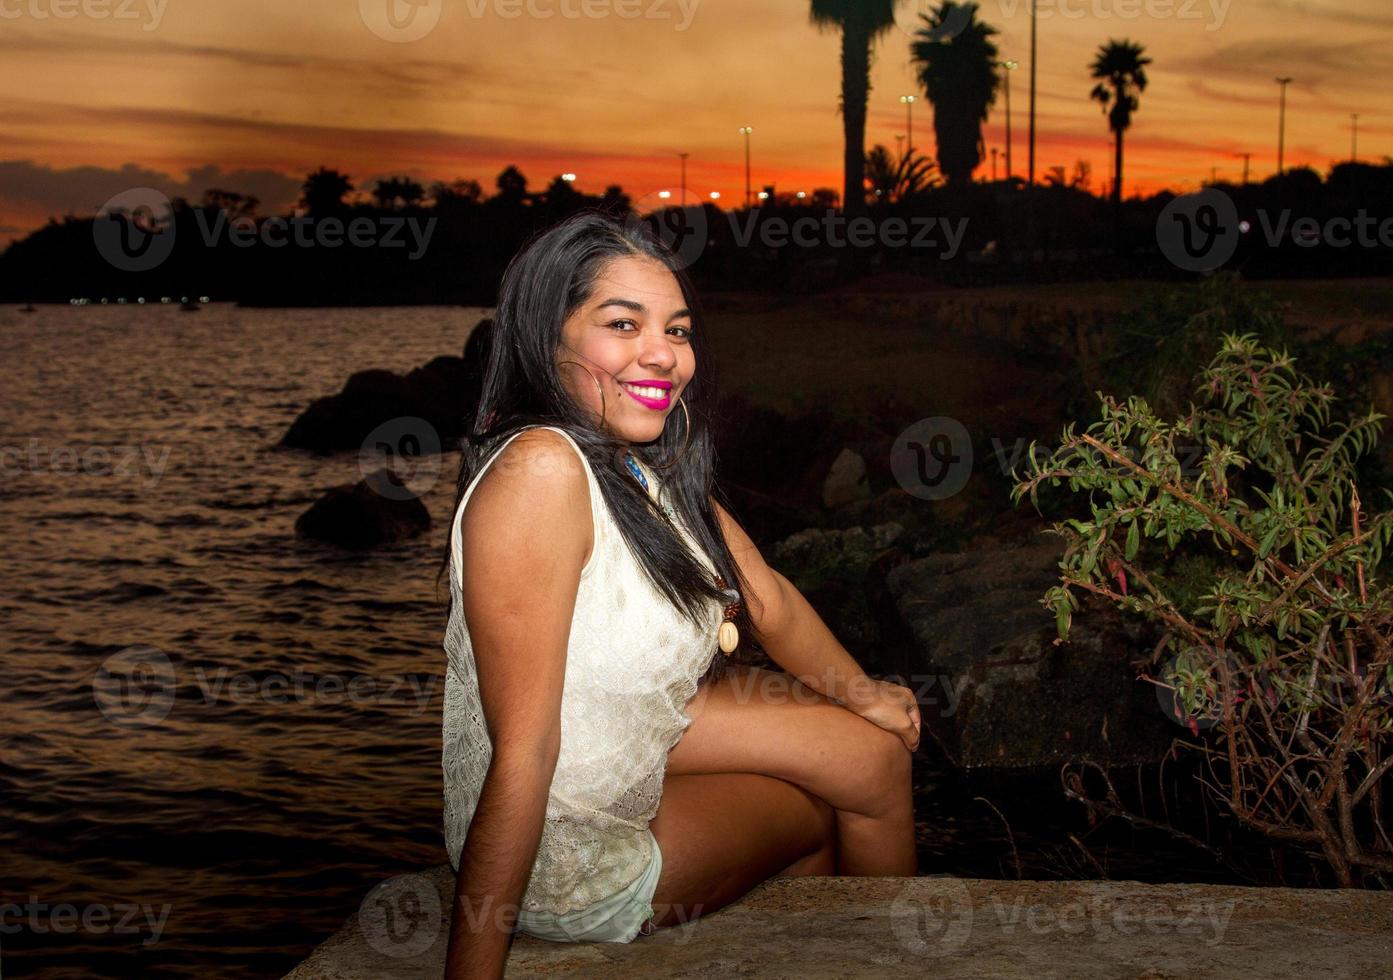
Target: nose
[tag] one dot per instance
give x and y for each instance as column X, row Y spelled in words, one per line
column 658, row 355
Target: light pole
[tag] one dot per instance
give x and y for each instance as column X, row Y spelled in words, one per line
column 684, row 177
column 994, row 151
column 899, row 146
column 1283, row 81
column 747, row 130
column 1246, row 157
column 1031, row 174
column 1010, row 66
column 1353, row 137
column 909, row 101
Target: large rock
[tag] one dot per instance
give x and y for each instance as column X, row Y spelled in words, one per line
column 377, row 510
column 841, row 572
column 439, row 399
column 913, row 927
column 997, row 691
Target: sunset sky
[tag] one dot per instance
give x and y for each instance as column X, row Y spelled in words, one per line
column 250, row 95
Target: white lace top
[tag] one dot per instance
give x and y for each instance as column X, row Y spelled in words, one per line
column 632, row 665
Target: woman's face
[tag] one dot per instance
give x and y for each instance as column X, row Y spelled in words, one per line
column 633, row 336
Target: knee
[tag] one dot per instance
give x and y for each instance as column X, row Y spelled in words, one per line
column 887, row 766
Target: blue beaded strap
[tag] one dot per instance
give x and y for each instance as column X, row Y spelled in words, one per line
column 633, row 466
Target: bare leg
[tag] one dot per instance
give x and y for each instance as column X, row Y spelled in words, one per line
column 760, row 721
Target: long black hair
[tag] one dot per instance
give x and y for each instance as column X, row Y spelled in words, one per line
column 553, row 275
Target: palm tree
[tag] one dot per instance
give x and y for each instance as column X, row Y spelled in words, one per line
column 1121, row 72
column 894, row 180
column 861, row 22
column 957, row 68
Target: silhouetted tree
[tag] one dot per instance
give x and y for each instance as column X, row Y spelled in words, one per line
column 395, row 191
column 861, row 22
column 459, row 193
column 512, row 185
column 324, row 190
column 234, row 204
column 898, row 180
column 957, row 68
column 1121, row 70
column 616, row 200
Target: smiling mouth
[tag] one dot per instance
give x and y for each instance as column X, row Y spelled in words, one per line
column 654, row 398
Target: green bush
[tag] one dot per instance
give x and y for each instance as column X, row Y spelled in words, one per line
column 1239, row 528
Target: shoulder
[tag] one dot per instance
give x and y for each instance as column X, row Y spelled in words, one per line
column 539, row 474
column 541, row 460
column 533, row 490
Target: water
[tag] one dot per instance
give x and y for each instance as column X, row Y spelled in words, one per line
column 230, row 828
column 252, row 817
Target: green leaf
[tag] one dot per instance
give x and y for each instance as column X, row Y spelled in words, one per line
column 1133, row 540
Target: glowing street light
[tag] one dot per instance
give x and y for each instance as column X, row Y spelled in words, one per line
column 1010, row 66
column 746, row 131
column 909, row 101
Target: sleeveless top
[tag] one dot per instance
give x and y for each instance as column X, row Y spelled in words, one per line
column 632, row 664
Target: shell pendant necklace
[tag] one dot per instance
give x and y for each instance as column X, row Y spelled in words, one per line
column 729, row 635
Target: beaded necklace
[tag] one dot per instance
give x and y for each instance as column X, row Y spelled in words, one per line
column 729, row 635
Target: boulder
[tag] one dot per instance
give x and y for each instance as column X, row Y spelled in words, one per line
column 437, row 399
column 846, row 480
column 841, row 572
column 376, row 510
column 995, row 689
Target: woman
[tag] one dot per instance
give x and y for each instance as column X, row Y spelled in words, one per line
column 606, row 772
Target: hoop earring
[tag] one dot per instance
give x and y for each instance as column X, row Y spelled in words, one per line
column 603, row 407
column 688, row 429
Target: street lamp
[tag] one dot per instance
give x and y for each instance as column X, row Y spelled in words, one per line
column 684, row 177
column 746, row 131
column 1010, row 66
column 1031, row 175
column 909, row 101
column 1283, row 81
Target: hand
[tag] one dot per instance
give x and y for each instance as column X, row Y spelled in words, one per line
column 891, row 706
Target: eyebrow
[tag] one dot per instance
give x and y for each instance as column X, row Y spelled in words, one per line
column 638, row 307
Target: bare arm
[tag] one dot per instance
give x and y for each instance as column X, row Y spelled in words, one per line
column 524, row 538
column 789, row 629
column 797, row 639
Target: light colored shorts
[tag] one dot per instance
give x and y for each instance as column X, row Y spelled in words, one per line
column 620, row 918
